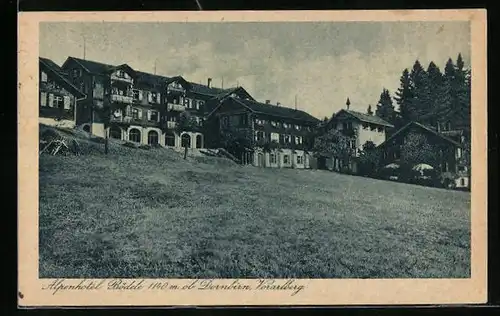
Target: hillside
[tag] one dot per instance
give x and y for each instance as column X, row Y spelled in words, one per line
column 149, row 213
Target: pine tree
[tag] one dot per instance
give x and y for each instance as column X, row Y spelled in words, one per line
column 385, row 108
column 421, row 90
column 369, row 110
column 435, row 85
column 462, row 94
column 404, row 98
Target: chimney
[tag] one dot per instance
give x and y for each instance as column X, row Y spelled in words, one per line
column 268, row 101
column 209, row 82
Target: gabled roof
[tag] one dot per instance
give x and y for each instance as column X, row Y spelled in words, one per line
column 95, row 67
column 272, row 110
column 150, row 79
column 203, row 89
column 424, row 128
column 59, row 73
column 228, row 92
column 52, row 65
column 183, row 81
column 373, row 119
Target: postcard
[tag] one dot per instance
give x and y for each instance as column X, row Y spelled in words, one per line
column 244, row 158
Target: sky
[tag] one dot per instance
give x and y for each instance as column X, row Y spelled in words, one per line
column 318, row 64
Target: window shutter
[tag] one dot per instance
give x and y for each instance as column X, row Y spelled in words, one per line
column 128, row 111
column 150, row 96
column 140, row 95
column 158, row 98
column 157, row 116
column 149, row 115
column 51, row 100
column 139, row 114
column 67, row 102
column 43, row 98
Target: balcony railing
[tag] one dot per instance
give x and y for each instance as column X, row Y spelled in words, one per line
column 175, row 107
column 121, row 119
column 121, row 98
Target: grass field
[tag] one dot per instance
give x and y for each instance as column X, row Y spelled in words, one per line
column 149, row 213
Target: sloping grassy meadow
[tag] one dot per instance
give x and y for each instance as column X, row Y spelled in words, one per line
column 149, row 213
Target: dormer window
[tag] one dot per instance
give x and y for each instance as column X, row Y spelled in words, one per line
column 274, row 124
column 297, row 127
column 286, row 125
column 43, row 77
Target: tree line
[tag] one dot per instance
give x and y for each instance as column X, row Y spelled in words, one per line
column 423, row 92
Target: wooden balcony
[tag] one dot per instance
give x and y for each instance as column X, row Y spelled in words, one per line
column 121, row 98
column 121, row 119
column 175, row 89
column 114, row 77
column 175, row 107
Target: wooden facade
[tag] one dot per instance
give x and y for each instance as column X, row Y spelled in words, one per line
column 58, row 96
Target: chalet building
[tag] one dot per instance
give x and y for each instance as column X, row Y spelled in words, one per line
column 361, row 128
column 145, row 108
column 449, row 151
column 279, row 136
column 58, row 96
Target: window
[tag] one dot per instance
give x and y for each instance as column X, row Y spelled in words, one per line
column 259, row 135
column 286, row 125
column 297, row 127
column 153, row 116
column 275, row 137
column 76, row 73
column 286, row 159
column 462, row 181
column 288, row 139
column 187, row 103
column 272, row 158
column 366, row 126
column 299, row 160
column 135, row 113
column 136, row 94
column 259, row 122
column 201, row 103
column 459, row 153
column 44, row 77
column 380, row 129
column 225, row 121
column 243, row 120
column 372, row 128
column 58, row 101
column 273, row 123
column 298, row 140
